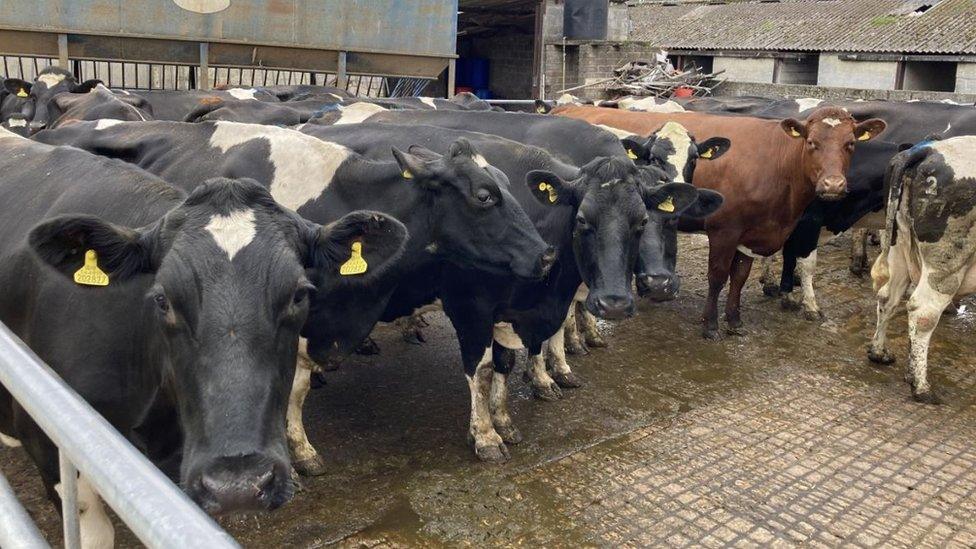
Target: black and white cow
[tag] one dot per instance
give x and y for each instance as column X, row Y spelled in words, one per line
column 930, row 217
column 144, row 299
column 175, row 105
column 460, row 212
column 49, row 83
column 98, row 104
column 291, row 113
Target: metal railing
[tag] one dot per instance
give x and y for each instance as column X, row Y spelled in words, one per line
column 156, row 511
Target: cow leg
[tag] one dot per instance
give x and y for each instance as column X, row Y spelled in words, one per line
column 720, row 254
column 504, row 360
column 892, row 273
column 807, row 300
column 94, row 525
column 305, row 459
column 590, row 331
column 571, row 333
column 859, row 252
column 770, row 286
column 561, row 373
column 924, row 311
column 741, row 264
column 543, row 386
column 488, row 444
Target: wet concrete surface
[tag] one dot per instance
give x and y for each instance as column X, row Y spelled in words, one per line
column 785, row 436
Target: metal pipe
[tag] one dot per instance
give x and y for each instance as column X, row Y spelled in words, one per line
column 69, row 502
column 17, row 530
column 156, row 511
column 515, row 102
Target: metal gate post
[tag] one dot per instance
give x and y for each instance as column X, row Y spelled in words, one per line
column 69, row 502
column 63, row 51
column 204, row 82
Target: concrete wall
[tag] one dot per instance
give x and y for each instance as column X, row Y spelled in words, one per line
column 966, row 78
column 510, row 63
column 736, row 89
column 745, row 69
column 836, row 72
column 588, row 63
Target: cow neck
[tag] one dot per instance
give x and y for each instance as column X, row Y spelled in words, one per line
column 801, row 190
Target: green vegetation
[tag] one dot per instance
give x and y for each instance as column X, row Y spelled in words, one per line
column 883, row 20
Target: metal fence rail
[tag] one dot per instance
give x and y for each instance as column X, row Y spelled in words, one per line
column 156, row 511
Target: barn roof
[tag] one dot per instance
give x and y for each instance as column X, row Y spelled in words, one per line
column 880, row 26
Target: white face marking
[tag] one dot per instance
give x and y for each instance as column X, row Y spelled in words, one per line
column 616, row 131
column 682, row 144
column 429, row 101
column 233, row 231
column 958, row 154
column 506, row 337
column 107, row 123
column 832, row 122
column 304, row 166
column 242, row 94
column 51, row 80
column 357, row 112
column 807, row 103
column 480, row 161
column 9, row 442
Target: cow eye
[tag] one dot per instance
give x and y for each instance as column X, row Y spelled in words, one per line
column 581, row 221
column 161, row 303
column 484, row 197
column 301, row 294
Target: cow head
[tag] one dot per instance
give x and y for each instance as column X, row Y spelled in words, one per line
column 829, row 136
column 229, row 273
column 98, row 104
column 49, row 83
column 673, row 151
column 476, row 222
column 611, row 198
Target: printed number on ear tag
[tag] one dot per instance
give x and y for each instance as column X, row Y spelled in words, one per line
column 631, row 154
column 356, row 264
column 89, row 274
column 22, row 93
column 552, row 191
column 667, row 205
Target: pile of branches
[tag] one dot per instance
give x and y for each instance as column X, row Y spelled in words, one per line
column 659, row 78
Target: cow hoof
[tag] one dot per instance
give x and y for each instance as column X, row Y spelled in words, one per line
column 311, row 467
column 548, row 393
column 509, row 433
column 568, row 380
column 368, row 347
column 296, row 481
column 814, row 316
column 492, row 453
column 595, row 340
column 771, row 290
column 738, row 331
column 928, row 397
column 332, row 364
column 884, row 357
column 788, row 304
column 576, row 348
column 711, row 334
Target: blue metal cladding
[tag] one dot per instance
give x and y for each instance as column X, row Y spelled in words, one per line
column 410, row 27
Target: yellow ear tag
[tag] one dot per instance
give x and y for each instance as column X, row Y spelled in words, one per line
column 706, row 155
column 667, row 205
column 794, row 133
column 22, row 92
column 552, row 192
column 864, row 136
column 407, row 174
column 89, row 274
column 356, row 264
column 631, row 155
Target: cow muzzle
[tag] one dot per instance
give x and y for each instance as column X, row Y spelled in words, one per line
column 610, row 306
column 658, row 287
column 832, row 188
column 241, row 483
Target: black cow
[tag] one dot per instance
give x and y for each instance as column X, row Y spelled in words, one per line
column 49, row 83
column 175, row 105
column 459, row 210
column 98, row 104
column 139, row 296
column 291, row 113
column 305, row 91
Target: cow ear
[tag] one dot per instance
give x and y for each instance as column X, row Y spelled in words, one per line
column 639, row 152
column 708, row 202
column 550, row 189
column 424, row 153
column 671, row 198
column 713, row 148
column 18, row 87
column 541, row 107
column 869, row 129
column 357, row 248
column 86, row 86
column 413, row 167
column 794, row 128
column 91, row 251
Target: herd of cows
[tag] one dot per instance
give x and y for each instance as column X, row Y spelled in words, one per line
column 186, row 259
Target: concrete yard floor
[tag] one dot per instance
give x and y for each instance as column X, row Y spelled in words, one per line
column 786, row 436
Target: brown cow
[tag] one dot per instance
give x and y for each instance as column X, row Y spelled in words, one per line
column 772, row 174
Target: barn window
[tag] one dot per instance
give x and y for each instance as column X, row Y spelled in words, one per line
column 797, row 70
column 927, row 76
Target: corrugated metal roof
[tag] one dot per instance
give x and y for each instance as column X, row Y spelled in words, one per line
column 949, row 27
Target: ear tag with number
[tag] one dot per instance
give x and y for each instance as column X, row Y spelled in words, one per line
column 707, row 154
column 22, row 93
column 667, row 205
column 89, row 274
column 631, row 154
column 864, row 136
column 356, row 264
column 552, row 191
